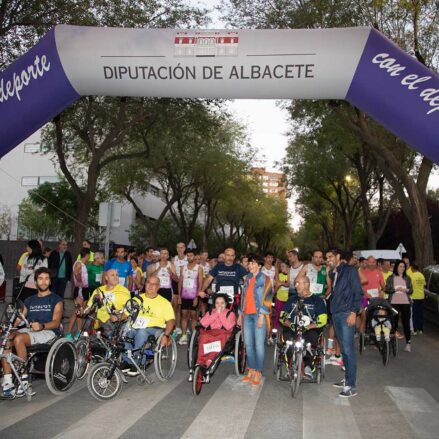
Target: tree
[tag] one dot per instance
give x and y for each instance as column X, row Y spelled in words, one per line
column 414, row 26
column 5, row 221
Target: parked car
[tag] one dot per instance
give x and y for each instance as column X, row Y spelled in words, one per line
column 431, row 274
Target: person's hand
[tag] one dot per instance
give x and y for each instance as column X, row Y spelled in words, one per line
column 260, row 321
column 352, row 319
column 114, row 318
column 195, row 302
column 165, row 341
column 36, row 326
column 369, row 296
column 202, row 294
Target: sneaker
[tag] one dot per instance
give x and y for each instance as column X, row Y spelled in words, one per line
column 125, row 367
column 178, row 331
column 337, row 362
column 69, row 337
column 8, row 390
column 256, row 378
column 183, row 339
column 22, row 388
column 414, row 333
column 420, row 332
column 330, row 351
column 348, row 392
column 190, row 377
column 228, row 359
column 343, row 369
column 270, row 341
column 249, row 377
column 340, row 384
column 308, row 372
column 133, row 372
column 408, row 348
column 399, row 336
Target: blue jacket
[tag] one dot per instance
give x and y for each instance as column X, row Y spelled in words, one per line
column 263, row 293
column 347, row 292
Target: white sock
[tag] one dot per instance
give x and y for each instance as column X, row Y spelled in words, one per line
column 7, row 379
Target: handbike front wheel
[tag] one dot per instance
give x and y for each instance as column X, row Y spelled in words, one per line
column 296, row 374
column 192, row 350
column 100, row 385
column 385, row 352
column 197, row 382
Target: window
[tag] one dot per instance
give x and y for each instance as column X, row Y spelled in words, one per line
column 29, row 181
column 32, row 147
column 48, row 179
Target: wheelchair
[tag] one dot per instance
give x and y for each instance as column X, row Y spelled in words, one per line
column 105, row 379
column 56, row 361
column 288, row 357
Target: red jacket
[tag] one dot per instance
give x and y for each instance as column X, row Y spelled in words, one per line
column 215, row 320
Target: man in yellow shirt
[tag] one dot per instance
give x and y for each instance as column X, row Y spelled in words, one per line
column 112, row 296
column 156, row 316
column 386, row 269
column 418, row 296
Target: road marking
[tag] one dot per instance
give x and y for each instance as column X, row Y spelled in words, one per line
column 228, row 412
column 11, row 412
column 419, row 409
column 117, row 416
column 325, row 411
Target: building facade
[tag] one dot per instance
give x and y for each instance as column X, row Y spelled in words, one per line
column 273, row 183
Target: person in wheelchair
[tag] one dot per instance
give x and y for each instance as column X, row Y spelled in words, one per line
column 220, row 317
column 44, row 312
column 314, row 311
column 156, row 316
column 111, row 297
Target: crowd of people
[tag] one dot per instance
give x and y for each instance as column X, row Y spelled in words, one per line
column 177, row 292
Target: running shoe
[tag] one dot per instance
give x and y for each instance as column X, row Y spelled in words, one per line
column 399, row 336
column 249, row 377
column 22, row 388
column 256, row 378
column 125, row 367
column 308, row 372
column 227, row 359
column 348, row 392
column 9, row 390
column 183, row 339
column 337, row 362
column 420, row 332
column 133, row 372
column 408, row 348
column 70, row 337
column 330, row 352
column 340, row 384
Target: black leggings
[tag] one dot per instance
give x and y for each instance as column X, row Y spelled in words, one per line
column 404, row 313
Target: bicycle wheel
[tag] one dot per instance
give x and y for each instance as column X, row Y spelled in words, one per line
column 165, row 359
column 192, row 350
column 100, row 386
column 385, row 352
column 83, row 358
column 197, row 382
column 276, row 358
column 240, row 358
column 296, row 374
column 395, row 346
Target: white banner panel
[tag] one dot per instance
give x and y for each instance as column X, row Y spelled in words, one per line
column 309, row 64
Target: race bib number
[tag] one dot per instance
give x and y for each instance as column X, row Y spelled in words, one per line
column 164, row 281
column 121, row 281
column 316, row 289
column 188, row 283
column 212, row 347
column 373, row 292
column 109, row 296
column 99, row 278
column 140, row 323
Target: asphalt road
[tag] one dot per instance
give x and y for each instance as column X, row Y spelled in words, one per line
column 398, row 401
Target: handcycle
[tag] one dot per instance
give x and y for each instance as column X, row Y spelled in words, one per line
column 288, row 364
column 380, row 310
column 56, row 361
column 222, row 343
column 105, row 379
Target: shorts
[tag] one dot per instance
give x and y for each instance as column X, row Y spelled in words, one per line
column 84, row 293
column 166, row 293
column 39, row 337
column 188, row 304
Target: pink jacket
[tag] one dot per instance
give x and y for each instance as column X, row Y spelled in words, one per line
column 216, row 320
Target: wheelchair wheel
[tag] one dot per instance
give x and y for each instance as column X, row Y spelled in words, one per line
column 296, row 373
column 395, row 346
column 197, row 382
column 240, row 357
column 165, row 359
column 83, row 358
column 362, row 342
column 61, row 366
column 100, row 386
column 385, row 352
column 192, row 350
column 319, row 376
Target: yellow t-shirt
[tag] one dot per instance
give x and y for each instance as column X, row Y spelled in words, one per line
column 90, row 259
column 155, row 313
column 387, row 274
column 409, row 272
column 282, row 292
column 20, row 261
column 117, row 296
column 418, row 282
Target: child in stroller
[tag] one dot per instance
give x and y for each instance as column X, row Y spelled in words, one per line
column 380, row 314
